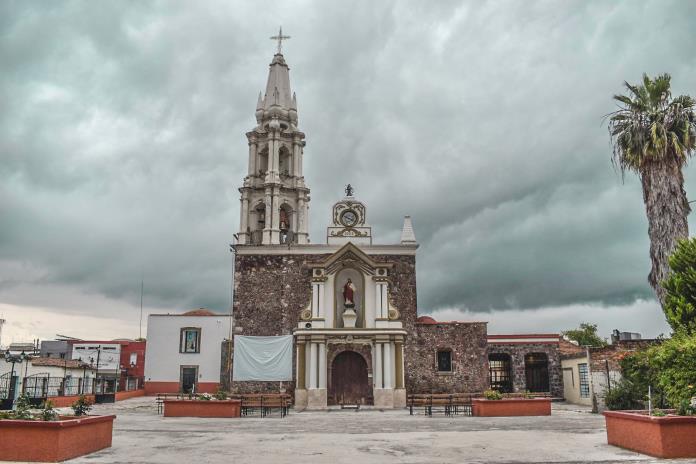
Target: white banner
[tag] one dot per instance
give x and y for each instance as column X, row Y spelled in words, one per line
column 262, row 358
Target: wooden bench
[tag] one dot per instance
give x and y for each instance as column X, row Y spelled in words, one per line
column 449, row 403
column 167, row 396
column 264, row 403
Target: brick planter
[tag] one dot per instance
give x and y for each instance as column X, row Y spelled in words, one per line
column 199, row 408
column 662, row 437
column 511, row 407
column 67, row 438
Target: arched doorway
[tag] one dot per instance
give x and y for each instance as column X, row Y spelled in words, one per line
column 349, row 381
column 536, row 366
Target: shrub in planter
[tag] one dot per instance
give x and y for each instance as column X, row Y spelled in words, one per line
column 220, row 394
column 48, row 413
column 44, row 436
column 623, row 396
column 81, row 406
column 492, row 395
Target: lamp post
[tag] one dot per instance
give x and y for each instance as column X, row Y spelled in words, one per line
column 14, row 359
column 96, row 374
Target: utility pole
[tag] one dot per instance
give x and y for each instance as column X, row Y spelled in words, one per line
column 142, row 286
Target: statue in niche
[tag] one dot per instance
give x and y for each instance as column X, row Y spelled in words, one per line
column 284, row 222
column 348, row 294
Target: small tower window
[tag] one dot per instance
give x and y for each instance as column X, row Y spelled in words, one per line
column 444, row 360
column 284, row 161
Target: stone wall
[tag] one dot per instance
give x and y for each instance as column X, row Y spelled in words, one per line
column 517, row 352
column 468, row 343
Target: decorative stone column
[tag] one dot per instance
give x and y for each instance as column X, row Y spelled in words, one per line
column 383, row 392
column 244, row 219
column 268, row 203
column 313, row 366
column 316, row 394
column 275, row 218
column 253, row 150
column 300, row 387
column 399, row 390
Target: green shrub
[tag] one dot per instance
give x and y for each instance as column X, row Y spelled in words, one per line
column 623, row 396
column 220, row 394
column 680, row 286
column 675, row 362
column 81, row 406
column 492, row 395
column 669, row 368
column 22, row 408
column 48, row 413
column 686, row 408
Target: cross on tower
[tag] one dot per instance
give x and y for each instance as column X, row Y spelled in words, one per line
column 280, row 37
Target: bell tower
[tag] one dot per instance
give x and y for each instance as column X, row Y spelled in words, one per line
column 274, row 198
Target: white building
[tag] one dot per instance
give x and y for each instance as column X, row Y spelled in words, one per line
column 41, row 377
column 184, row 351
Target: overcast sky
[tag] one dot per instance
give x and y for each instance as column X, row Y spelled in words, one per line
column 122, row 147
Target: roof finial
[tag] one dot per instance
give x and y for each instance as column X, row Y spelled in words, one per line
column 349, row 190
column 280, row 37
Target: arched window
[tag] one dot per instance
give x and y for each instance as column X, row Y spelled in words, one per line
column 285, row 224
column 263, row 161
column 536, row 367
column 257, row 223
column 500, row 372
column 284, row 162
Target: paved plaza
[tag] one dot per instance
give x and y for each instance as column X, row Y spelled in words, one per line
column 570, row 435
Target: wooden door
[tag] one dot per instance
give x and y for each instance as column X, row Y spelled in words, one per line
column 537, row 372
column 189, row 375
column 349, row 381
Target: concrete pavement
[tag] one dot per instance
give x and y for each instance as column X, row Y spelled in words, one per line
column 570, row 435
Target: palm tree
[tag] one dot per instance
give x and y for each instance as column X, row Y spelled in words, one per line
column 653, row 135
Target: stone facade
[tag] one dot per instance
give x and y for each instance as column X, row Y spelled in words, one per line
column 518, row 351
column 466, row 340
column 271, row 290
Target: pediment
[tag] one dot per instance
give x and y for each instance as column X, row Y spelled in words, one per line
column 350, row 255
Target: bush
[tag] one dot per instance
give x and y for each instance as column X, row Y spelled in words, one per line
column 680, row 286
column 220, row 394
column 82, row 406
column 22, row 408
column 623, row 396
column 675, row 362
column 492, row 395
column 669, row 368
column 48, row 413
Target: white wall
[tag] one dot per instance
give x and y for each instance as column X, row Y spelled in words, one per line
column 162, row 358
column 108, row 354
column 571, row 381
column 52, row 371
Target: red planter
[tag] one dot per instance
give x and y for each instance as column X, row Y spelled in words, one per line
column 125, row 395
column 662, row 437
column 512, row 407
column 200, row 408
column 39, row 441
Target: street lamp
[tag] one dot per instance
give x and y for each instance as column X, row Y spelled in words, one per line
column 14, row 359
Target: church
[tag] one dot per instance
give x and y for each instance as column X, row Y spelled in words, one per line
column 350, row 302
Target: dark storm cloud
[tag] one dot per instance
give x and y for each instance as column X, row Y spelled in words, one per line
column 122, row 140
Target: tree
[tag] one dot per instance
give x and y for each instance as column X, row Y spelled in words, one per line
column 586, row 335
column 653, row 135
column 680, row 288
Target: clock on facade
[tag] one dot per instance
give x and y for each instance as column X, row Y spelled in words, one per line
column 349, row 218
